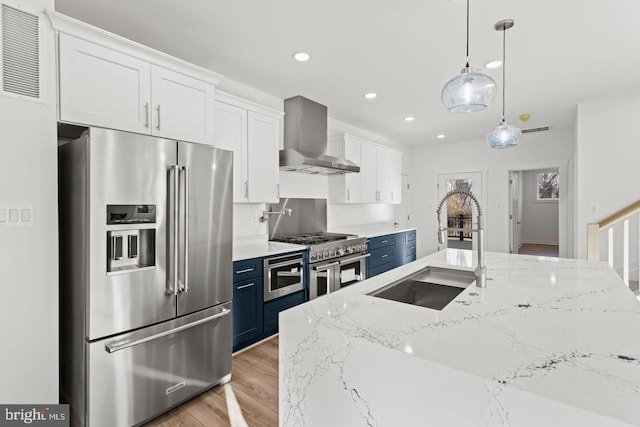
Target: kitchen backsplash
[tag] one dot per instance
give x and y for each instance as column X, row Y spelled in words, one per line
column 248, row 229
column 359, row 214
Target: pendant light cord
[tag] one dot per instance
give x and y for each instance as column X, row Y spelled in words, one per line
column 467, row 33
column 504, row 65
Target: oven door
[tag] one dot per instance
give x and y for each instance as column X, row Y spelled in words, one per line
column 282, row 276
column 351, row 270
column 322, row 278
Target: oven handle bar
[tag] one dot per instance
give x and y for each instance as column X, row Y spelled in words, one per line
column 355, row 258
column 325, row 266
column 297, row 262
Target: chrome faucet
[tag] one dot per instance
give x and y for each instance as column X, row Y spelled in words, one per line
column 480, row 271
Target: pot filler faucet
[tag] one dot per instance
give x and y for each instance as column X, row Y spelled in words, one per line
column 480, row 271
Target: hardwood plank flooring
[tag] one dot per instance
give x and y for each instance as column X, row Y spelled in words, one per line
column 539, row 250
column 250, row 399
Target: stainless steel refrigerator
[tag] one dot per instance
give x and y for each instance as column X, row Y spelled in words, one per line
column 145, row 274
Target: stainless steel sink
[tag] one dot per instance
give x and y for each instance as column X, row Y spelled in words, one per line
column 431, row 287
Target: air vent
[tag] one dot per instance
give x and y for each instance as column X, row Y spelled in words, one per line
column 20, row 53
column 540, row 129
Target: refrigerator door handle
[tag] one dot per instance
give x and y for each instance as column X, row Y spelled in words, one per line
column 186, row 228
column 172, row 249
column 112, row 348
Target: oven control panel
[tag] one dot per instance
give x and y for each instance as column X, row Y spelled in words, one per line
column 337, row 249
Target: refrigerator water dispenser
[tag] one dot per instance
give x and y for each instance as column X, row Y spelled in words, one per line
column 132, row 248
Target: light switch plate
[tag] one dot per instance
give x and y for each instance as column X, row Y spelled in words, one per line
column 16, row 215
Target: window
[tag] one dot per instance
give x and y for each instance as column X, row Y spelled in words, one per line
column 548, row 185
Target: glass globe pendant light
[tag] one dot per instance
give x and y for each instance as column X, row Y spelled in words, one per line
column 504, row 135
column 469, row 91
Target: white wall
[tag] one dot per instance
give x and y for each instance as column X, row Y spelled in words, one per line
column 607, row 153
column 539, row 217
column 29, row 256
column 426, row 163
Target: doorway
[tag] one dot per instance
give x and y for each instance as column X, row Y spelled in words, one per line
column 459, row 211
column 534, row 211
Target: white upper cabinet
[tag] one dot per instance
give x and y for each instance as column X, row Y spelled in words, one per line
column 389, row 175
column 263, row 161
column 107, row 81
column 182, row 106
column 254, row 135
column 344, row 188
column 231, row 134
column 380, row 177
column 103, row 87
column 369, row 174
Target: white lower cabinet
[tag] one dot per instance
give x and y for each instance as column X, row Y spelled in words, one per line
column 103, row 86
column 254, row 137
column 380, row 177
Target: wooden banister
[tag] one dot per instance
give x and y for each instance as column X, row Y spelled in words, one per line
column 594, row 229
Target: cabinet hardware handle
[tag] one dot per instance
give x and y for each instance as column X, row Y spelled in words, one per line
column 246, row 270
column 246, row 286
column 348, row 194
column 377, row 195
column 384, row 256
column 392, row 196
column 246, row 189
column 384, row 241
column 146, row 114
column 158, row 123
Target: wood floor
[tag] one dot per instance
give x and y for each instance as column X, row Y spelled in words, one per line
column 249, row 399
column 538, row 250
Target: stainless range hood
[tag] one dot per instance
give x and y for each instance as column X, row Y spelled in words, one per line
column 305, row 140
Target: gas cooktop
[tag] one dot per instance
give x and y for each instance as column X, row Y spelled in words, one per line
column 309, row 239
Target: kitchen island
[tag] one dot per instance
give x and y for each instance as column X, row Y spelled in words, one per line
column 547, row 342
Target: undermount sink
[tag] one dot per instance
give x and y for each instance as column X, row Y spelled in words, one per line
column 431, row 287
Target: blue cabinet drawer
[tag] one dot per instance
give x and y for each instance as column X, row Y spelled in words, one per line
column 410, row 236
column 247, row 269
column 409, row 258
column 382, row 241
column 274, row 307
column 382, row 256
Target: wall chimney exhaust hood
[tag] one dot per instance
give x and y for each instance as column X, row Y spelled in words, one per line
column 305, row 140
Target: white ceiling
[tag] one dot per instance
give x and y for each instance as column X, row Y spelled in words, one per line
column 559, row 53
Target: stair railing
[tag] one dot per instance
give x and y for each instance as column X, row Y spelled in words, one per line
column 607, row 224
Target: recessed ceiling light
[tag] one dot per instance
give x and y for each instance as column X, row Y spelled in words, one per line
column 441, row 136
column 370, row 95
column 493, row 64
column 301, row 56
column 409, row 119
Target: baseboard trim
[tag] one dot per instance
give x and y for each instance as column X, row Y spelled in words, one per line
column 538, row 242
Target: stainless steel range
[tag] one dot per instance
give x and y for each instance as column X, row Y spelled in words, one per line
column 335, row 260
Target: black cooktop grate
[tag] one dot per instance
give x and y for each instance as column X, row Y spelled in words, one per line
column 313, row 238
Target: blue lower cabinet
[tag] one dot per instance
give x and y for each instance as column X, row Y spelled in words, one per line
column 274, row 307
column 254, row 319
column 247, row 312
column 390, row 251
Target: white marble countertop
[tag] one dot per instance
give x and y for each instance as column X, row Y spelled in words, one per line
column 260, row 249
column 371, row 230
column 548, row 342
